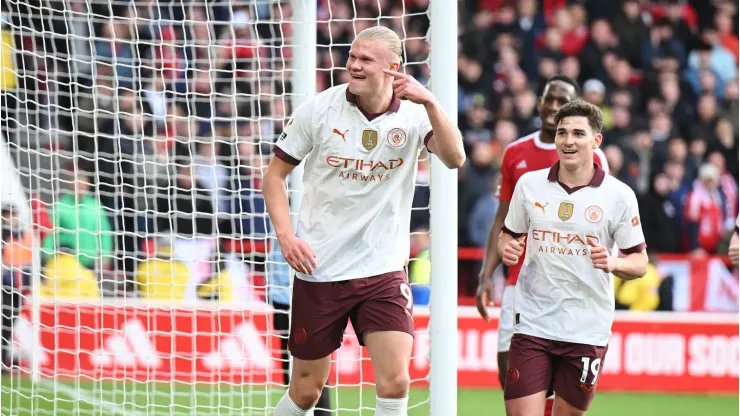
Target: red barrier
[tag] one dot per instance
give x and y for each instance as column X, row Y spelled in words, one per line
column 666, row 352
column 700, row 283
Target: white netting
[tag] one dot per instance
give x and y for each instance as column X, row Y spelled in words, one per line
column 138, row 133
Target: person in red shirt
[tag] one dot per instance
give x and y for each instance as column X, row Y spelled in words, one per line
column 533, row 152
column 703, row 212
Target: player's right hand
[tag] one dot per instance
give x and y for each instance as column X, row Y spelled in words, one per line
column 298, row 254
column 484, row 297
column 513, row 250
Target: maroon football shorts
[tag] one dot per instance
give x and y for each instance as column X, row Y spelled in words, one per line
column 537, row 364
column 320, row 311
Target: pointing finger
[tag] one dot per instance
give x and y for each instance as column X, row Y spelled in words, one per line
column 398, row 82
column 393, row 73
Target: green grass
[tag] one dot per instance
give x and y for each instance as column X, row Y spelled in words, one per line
column 21, row 397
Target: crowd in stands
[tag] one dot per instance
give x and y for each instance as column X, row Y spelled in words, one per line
column 173, row 108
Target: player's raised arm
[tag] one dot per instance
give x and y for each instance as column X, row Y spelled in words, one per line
column 446, row 142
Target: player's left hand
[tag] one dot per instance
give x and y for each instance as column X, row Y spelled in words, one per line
column 601, row 259
column 407, row 87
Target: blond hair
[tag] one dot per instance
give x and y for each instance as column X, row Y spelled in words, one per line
column 387, row 37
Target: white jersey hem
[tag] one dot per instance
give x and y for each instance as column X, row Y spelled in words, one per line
column 599, row 343
column 311, row 278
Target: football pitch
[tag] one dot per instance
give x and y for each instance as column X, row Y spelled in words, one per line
column 21, row 397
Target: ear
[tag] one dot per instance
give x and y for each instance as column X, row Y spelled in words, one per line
column 396, row 67
column 597, row 140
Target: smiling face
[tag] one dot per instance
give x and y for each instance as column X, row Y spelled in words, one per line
column 367, row 59
column 575, row 141
column 556, row 95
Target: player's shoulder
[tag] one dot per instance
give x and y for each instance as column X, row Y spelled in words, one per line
column 618, row 189
column 411, row 112
column 520, row 148
column 534, row 178
column 330, row 96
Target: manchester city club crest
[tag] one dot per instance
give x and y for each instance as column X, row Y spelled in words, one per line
column 565, row 212
column 369, row 139
column 396, row 137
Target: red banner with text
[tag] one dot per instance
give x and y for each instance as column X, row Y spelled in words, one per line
column 665, row 352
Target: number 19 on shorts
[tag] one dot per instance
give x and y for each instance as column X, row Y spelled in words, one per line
column 592, row 368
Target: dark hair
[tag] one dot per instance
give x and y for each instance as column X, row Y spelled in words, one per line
column 580, row 108
column 567, row 80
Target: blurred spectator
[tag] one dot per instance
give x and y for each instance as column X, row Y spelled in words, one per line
column 8, row 81
column 187, row 211
column 662, row 51
column 602, row 44
column 594, row 92
column 709, row 54
column 420, row 266
column 617, row 167
column 728, row 188
column 80, row 225
column 16, row 248
column 639, row 294
column 482, row 215
column 704, row 218
column 631, row 31
column 660, row 222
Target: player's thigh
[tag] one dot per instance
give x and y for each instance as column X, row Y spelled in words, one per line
column 529, row 369
column 387, row 305
column 577, row 373
column 318, row 319
column 506, row 319
column 383, row 323
column 390, row 354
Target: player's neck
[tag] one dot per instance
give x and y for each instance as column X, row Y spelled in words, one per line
column 578, row 176
column 547, row 136
column 375, row 103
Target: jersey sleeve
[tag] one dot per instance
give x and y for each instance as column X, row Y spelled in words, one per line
column 425, row 128
column 506, row 187
column 296, row 141
column 516, row 223
column 628, row 232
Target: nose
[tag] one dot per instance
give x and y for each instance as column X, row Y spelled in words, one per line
column 568, row 140
column 354, row 65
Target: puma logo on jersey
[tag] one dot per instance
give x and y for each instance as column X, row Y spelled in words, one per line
column 522, row 165
column 540, row 206
column 335, row 131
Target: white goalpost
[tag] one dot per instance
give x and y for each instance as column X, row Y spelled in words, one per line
column 139, row 133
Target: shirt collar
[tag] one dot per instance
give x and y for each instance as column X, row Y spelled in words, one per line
column 393, row 107
column 595, row 181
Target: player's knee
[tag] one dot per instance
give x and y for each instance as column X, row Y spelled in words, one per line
column 306, row 391
column 393, row 387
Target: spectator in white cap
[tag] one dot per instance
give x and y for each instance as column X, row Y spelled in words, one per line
column 594, row 92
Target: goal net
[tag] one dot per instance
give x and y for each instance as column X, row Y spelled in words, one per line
column 140, row 272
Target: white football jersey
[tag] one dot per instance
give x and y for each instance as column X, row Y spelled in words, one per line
column 358, row 181
column 559, row 294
